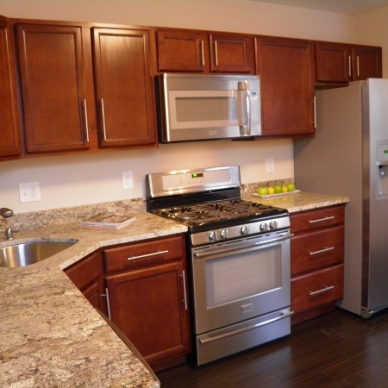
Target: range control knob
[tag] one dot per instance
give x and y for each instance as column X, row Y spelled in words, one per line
column 273, row 224
column 212, row 236
column 224, row 233
column 244, row 230
column 263, row 226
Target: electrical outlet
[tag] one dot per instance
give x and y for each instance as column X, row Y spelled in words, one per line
column 269, row 165
column 127, row 180
column 29, row 192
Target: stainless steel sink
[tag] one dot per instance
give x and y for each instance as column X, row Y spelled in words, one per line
column 23, row 254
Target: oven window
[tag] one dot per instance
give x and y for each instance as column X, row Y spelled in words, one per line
column 242, row 275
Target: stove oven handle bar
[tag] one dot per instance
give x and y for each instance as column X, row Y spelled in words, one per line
column 252, row 327
column 147, row 255
column 241, row 250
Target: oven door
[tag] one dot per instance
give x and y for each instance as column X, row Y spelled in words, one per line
column 239, row 280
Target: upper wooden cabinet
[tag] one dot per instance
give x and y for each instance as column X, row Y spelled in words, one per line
column 342, row 63
column 204, row 52
column 124, row 88
column 10, row 144
column 287, row 88
column 51, row 66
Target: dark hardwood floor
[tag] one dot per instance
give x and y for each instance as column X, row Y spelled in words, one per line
column 338, row 349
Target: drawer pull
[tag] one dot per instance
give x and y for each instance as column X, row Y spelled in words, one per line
column 321, row 219
column 147, row 255
column 321, row 251
column 322, row 290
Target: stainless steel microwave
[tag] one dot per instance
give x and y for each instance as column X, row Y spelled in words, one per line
column 206, row 107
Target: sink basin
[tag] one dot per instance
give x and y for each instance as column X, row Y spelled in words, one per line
column 23, row 254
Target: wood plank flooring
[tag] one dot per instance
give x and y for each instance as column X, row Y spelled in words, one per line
column 336, row 350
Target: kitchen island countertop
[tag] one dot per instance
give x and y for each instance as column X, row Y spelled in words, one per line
column 49, row 334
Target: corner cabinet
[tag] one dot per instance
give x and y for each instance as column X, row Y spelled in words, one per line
column 10, row 142
column 147, row 287
column 89, row 277
column 124, row 88
column 339, row 63
column 204, row 52
column 317, row 256
column 285, row 67
column 55, row 106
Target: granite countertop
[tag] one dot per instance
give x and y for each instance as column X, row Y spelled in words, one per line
column 49, row 334
column 299, row 201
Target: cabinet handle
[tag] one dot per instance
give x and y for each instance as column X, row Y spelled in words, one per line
column 106, row 295
column 350, row 65
column 147, row 255
column 321, row 251
column 315, row 112
column 358, row 66
column 321, row 219
column 202, row 53
column 86, row 121
column 216, row 52
column 184, row 289
column 322, row 290
column 103, row 118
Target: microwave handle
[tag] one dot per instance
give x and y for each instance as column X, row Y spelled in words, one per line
column 243, row 93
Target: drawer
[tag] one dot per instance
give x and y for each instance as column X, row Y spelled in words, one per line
column 318, row 288
column 144, row 254
column 317, row 218
column 317, row 249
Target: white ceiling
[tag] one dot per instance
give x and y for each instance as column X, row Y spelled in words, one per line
column 348, row 7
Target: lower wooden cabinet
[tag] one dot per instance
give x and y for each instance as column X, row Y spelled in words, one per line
column 317, row 254
column 147, row 290
column 88, row 276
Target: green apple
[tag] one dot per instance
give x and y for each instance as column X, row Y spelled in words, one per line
column 291, row 187
column 278, row 189
column 262, row 191
column 271, row 190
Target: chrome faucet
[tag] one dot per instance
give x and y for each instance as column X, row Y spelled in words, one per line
column 5, row 212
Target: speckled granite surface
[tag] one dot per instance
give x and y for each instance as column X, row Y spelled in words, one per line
column 50, row 336
column 299, row 201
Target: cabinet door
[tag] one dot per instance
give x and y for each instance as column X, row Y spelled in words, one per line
column 181, row 50
column 52, row 85
column 367, row 62
column 232, row 53
column 149, row 306
column 333, row 62
column 124, row 87
column 9, row 119
column 287, row 90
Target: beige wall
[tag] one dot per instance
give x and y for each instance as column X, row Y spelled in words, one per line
column 70, row 181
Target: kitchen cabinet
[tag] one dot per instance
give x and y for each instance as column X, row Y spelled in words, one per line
column 10, row 142
column 339, row 63
column 317, row 255
column 285, row 67
column 89, row 277
column 52, row 76
column 204, row 52
column 146, row 282
column 124, row 88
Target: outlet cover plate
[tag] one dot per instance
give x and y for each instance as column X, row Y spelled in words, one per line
column 29, row 192
column 127, row 180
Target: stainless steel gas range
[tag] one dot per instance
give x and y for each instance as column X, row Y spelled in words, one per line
column 239, row 259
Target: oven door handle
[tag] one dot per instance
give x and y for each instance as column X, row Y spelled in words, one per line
column 243, row 330
column 248, row 248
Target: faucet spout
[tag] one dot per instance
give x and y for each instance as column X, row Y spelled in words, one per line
column 5, row 212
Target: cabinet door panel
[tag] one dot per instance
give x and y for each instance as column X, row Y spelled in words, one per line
column 52, row 84
column 148, row 306
column 333, row 62
column 287, row 90
column 9, row 119
column 367, row 62
column 181, row 51
column 124, row 87
column 232, row 53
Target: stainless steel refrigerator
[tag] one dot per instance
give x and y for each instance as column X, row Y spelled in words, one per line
column 349, row 157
